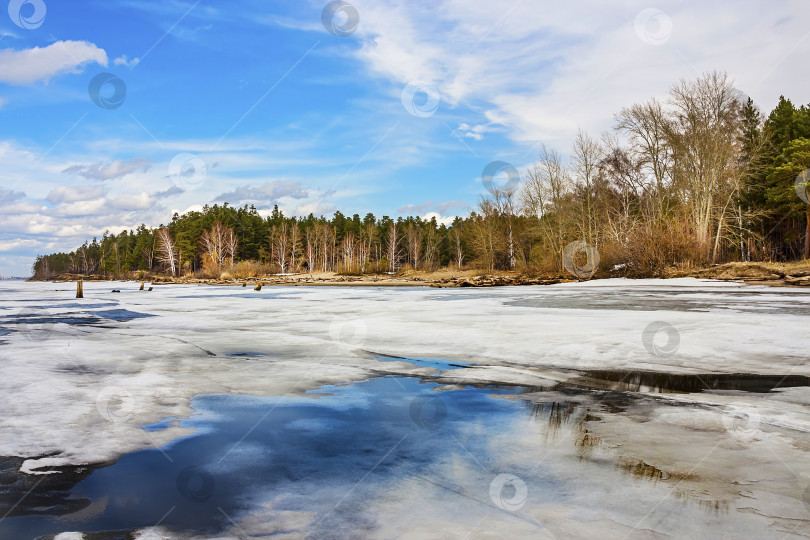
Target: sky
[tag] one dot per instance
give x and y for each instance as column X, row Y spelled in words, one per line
column 115, row 113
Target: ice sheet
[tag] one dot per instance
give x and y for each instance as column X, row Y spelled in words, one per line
column 78, row 385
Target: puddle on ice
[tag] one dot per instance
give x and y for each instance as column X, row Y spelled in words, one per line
column 373, row 459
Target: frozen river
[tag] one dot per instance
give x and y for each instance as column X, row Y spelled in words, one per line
column 609, row 409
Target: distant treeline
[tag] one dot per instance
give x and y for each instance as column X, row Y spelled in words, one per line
column 700, row 177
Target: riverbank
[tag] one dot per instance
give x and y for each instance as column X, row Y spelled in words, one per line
column 795, row 274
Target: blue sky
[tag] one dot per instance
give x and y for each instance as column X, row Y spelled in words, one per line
column 258, row 103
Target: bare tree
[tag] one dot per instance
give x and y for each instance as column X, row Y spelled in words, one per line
column 704, row 138
column 392, row 247
column 280, row 244
column 413, row 238
column 647, row 127
column 585, row 161
column 167, row 249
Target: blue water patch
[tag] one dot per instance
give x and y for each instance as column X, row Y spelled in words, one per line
column 308, row 452
column 121, row 315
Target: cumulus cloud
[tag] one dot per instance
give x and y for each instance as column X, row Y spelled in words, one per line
column 8, row 195
column 142, row 201
column 43, row 63
column 441, row 220
column 110, row 171
column 317, row 208
column 269, row 191
column 73, row 194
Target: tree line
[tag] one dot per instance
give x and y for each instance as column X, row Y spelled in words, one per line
column 699, row 177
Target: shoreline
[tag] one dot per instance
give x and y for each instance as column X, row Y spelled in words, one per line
column 770, row 274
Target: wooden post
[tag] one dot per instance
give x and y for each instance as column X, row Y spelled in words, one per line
column 79, row 289
column 141, row 285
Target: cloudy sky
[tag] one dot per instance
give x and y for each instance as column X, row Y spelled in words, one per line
column 115, row 113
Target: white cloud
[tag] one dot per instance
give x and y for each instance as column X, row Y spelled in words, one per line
column 269, row 192
column 124, row 61
column 3, row 102
column 43, row 63
column 71, row 194
column 110, row 171
column 142, row 201
column 544, row 73
column 441, row 220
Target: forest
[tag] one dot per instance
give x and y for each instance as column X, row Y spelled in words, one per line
column 700, row 177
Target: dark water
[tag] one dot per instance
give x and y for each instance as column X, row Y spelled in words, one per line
column 332, row 453
column 247, row 449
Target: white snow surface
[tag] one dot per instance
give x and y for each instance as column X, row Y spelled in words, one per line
column 80, row 393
